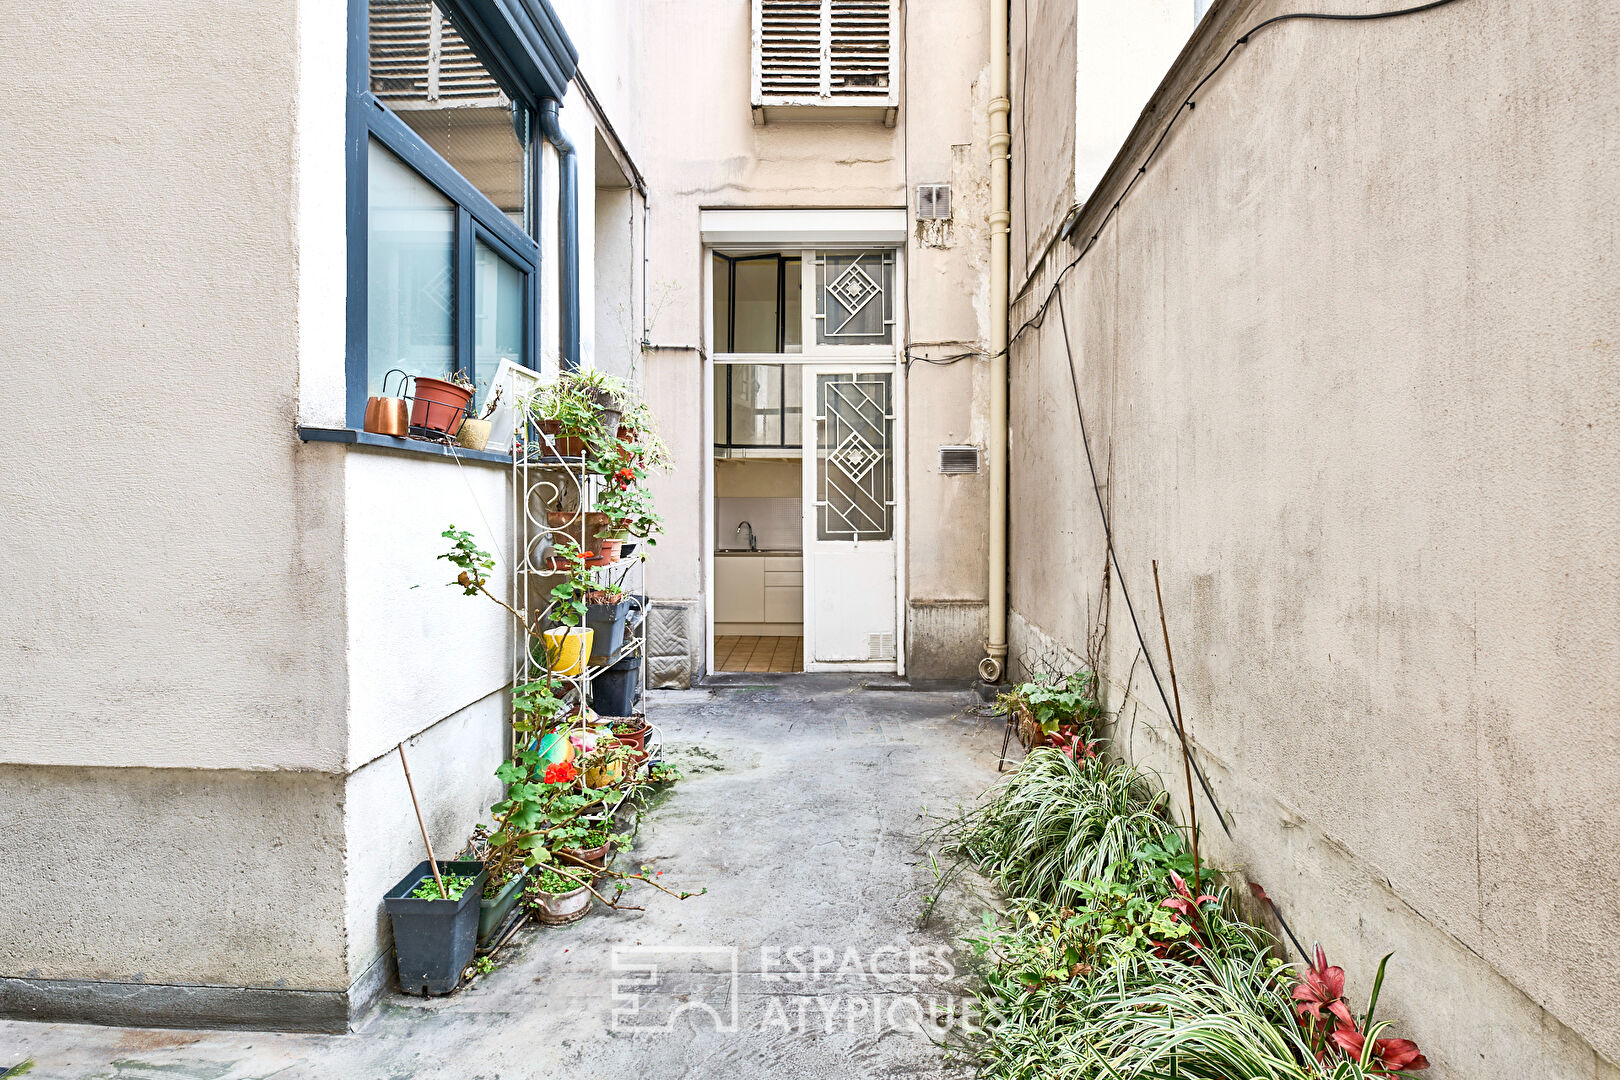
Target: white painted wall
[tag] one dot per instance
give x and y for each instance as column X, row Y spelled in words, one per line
column 420, row 650
column 1123, row 50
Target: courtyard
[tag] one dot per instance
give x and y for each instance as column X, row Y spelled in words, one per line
column 803, row 814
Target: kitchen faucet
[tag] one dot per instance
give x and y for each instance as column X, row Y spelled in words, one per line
column 753, row 541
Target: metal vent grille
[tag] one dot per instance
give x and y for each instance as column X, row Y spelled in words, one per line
column 823, row 52
column 959, row 460
column 933, row 202
column 880, row 646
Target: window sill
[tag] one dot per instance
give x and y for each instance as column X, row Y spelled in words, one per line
column 404, row 446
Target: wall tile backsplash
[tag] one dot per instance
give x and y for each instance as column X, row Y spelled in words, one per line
column 778, row 523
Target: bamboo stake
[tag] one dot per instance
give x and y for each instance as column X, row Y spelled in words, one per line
column 1181, row 729
column 420, row 824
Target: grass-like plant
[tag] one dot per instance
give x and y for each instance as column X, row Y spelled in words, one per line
column 1106, row 965
column 1058, row 822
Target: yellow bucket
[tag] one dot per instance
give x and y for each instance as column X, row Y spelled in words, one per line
column 567, row 647
column 600, row 777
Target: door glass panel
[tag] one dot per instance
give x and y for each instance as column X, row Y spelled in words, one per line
column 497, row 316
column 793, row 309
column 410, row 273
column 855, row 298
column 854, row 457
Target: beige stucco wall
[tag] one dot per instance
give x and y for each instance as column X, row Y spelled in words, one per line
column 700, row 148
column 1346, row 354
column 215, row 633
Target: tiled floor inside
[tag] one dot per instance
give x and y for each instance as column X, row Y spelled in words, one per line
column 759, row 654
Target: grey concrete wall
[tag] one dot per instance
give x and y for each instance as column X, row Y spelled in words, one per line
column 1346, row 354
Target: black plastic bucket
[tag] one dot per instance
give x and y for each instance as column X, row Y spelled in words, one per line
column 434, row 940
column 614, row 692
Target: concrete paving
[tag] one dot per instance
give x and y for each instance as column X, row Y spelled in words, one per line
column 805, row 810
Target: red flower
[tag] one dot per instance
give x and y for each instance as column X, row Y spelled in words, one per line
column 563, row 772
column 1388, row 1056
column 1186, row 903
column 1322, row 988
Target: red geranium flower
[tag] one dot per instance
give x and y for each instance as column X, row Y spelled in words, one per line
column 563, row 772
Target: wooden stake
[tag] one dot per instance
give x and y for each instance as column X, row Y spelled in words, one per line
column 420, row 824
column 1181, row 729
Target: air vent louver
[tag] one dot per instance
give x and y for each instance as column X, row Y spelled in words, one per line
column 933, row 202
column 958, row 460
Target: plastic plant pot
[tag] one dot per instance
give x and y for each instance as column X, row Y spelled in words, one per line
column 614, row 692
column 439, row 405
column 607, row 622
column 492, row 911
column 566, row 649
column 434, row 940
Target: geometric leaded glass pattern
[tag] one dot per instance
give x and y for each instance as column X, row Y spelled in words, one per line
column 855, row 457
column 855, row 298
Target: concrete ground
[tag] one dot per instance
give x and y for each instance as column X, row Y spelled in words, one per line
column 804, row 812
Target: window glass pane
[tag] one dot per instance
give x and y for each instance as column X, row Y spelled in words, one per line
column 793, row 308
column 855, row 298
column 854, row 458
column 410, row 273
column 756, row 404
column 754, row 306
column 497, row 316
column 722, row 306
column 424, row 71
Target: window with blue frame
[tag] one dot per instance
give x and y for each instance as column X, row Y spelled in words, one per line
column 443, row 167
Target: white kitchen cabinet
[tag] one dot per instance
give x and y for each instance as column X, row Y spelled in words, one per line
column 739, row 589
column 784, row 603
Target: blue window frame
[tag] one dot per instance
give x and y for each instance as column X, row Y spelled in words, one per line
column 440, row 277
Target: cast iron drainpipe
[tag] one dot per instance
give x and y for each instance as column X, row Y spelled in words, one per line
column 568, row 232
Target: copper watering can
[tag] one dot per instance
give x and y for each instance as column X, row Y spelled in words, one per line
column 388, row 415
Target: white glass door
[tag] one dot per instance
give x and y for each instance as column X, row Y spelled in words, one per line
column 851, row 517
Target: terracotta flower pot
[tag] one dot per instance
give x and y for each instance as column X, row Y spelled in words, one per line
column 439, row 405
column 555, row 909
column 608, row 549
column 588, row 858
column 566, row 445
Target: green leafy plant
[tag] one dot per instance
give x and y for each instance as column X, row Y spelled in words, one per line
column 484, row 965
column 569, row 597
column 454, row 886
column 1055, row 703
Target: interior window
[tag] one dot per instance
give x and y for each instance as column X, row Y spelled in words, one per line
column 757, row 303
column 424, row 71
column 410, row 272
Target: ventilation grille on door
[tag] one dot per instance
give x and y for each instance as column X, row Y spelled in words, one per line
column 933, row 202
column 880, row 646
column 958, row 460
column 823, row 52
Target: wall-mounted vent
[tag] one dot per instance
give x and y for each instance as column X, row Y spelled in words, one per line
column 880, row 646
column 958, row 460
column 826, row 53
column 933, row 202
